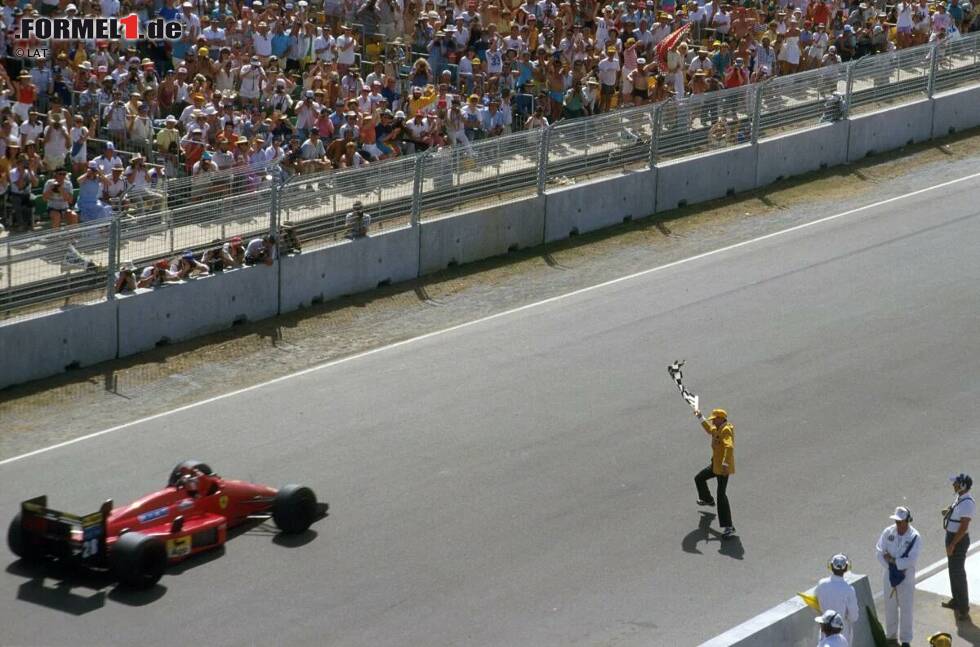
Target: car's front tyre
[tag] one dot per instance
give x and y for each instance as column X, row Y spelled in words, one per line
column 294, row 509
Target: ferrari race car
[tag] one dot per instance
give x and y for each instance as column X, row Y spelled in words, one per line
column 137, row 542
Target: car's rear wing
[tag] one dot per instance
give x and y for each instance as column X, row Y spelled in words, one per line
column 63, row 535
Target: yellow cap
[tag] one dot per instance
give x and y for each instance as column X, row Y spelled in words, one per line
column 719, row 413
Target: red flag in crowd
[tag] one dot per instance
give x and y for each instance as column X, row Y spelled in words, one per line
column 668, row 44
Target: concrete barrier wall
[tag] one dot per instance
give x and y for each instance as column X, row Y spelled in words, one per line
column 802, row 152
column 53, row 342
column 889, row 129
column 196, row 307
column 600, row 203
column 791, row 623
column 955, row 110
column 349, row 267
column 705, row 177
column 481, row 233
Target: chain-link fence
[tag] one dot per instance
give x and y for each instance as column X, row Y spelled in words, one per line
column 194, row 213
column 889, row 79
column 705, row 122
column 801, row 100
column 585, row 146
column 54, row 265
column 491, row 170
column 958, row 64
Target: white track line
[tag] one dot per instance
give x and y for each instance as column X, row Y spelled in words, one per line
column 498, row 315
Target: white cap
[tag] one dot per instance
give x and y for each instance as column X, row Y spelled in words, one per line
column 901, row 514
column 832, row 618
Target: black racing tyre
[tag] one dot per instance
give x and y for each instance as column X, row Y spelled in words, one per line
column 294, row 509
column 16, row 541
column 138, row 560
column 187, row 465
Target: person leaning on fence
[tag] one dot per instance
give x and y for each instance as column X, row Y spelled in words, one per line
column 357, row 221
column 156, row 275
column 186, row 266
column 58, row 195
column 125, row 278
column 261, row 250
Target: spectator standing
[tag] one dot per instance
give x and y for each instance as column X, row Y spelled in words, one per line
column 721, row 466
column 22, row 180
column 58, row 194
column 898, row 549
column 57, row 142
column 956, row 522
column 835, row 593
column 91, row 186
column 79, row 145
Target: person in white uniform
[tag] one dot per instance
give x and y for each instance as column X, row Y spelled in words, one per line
column 835, row 593
column 898, row 549
column 831, row 625
column 956, row 521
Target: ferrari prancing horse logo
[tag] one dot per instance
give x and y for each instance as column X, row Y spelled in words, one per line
column 223, row 501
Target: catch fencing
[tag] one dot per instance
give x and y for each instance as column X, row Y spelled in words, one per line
column 195, row 213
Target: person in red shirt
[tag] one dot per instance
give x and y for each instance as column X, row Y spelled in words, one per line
column 737, row 75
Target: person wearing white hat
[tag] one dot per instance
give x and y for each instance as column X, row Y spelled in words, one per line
column 835, row 593
column 831, row 628
column 898, row 549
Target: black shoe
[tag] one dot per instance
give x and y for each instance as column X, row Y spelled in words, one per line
column 728, row 532
column 948, row 604
column 708, row 502
column 962, row 616
column 906, row 645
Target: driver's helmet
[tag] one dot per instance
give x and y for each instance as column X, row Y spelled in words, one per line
column 189, row 481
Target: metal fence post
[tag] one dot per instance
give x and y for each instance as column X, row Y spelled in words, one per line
column 849, row 89
column 543, row 159
column 113, row 257
column 417, row 187
column 757, row 111
column 933, row 69
column 274, row 208
column 656, row 123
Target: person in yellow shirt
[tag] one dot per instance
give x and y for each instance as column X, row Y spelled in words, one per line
column 721, row 467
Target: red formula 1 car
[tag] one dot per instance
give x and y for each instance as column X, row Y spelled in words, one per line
column 137, row 542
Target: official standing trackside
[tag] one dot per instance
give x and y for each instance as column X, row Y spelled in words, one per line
column 835, row 593
column 831, row 628
column 898, row 549
column 722, row 466
column 956, row 521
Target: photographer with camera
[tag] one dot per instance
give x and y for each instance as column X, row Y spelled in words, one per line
column 156, row 275
column 22, row 180
column 91, row 186
column 58, row 195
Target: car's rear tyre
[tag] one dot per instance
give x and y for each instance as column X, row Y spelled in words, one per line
column 138, row 560
column 17, row 542
column 187, row 465
column 294, row 508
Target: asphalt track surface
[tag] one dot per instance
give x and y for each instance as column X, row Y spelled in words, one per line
column 527, row 480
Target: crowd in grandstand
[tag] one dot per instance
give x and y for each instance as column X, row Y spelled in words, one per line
column 348, row 83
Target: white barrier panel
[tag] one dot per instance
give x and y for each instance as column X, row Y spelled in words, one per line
column 57, row 341
column 955, row 110
column 889, row 129
column 349, row 267
column 705, row 177
column 196, row 307
column 482, row 233
column 791, row 624
column 802, row 152
column 600, row 203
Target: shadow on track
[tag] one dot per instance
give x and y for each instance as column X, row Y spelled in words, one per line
column 704, row 532
column 78, row 591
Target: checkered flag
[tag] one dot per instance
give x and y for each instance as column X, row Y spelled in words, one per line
column 674, row 370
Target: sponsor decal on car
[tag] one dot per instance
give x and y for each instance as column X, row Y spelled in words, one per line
column 146, row 517
column 179, row 546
